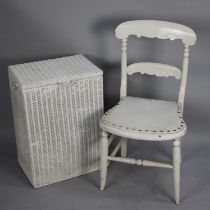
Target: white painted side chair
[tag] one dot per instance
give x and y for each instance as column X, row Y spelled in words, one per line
column 147, row 119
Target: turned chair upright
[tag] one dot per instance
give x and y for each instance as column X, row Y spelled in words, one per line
column 147, row 119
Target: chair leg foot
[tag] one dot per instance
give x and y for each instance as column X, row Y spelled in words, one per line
column 124, row 147
column 104, row 154
column 176, row 169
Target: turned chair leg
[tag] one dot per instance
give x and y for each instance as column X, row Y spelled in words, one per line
column 124, row 147
column 180, row 152
column 176, row 168
column 104, row 154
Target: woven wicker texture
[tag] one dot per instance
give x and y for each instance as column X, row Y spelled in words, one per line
column 56, row 124
column 54, row 70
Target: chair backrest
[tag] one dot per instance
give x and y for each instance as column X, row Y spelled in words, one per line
column 160, row 30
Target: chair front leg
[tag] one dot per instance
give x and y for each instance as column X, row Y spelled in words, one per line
column 176, row 168
column 104, row 161
column 124, row 147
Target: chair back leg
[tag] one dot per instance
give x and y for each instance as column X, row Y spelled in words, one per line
column 176, row 168
column 104, row 160
column 180, row 152
column 124, row 147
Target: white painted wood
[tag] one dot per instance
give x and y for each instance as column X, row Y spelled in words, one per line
column 156, row 164
column 124, row 147
column 176, row 166
column 156, row 29
column 134, row 118
column 139, row 162
column 126, row 160
column 180, row 151
column 157, row 69
column 150, row 119
column 116, row 149
column 104, row 160
column 183, row 83
column 56, row 107
column 123, row 87
column 111, row 138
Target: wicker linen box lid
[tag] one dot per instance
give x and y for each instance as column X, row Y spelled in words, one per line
column 57, row 105
column 46, row 72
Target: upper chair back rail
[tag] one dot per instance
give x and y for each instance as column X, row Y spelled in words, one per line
column 161, row 30
column 156, row 29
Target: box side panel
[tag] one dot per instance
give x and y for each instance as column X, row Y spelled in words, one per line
column 41, row 107
column 19, row 118
column 63, row 125
column 87, row 101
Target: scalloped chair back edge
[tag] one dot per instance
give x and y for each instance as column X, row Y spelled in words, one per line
column 156, row 29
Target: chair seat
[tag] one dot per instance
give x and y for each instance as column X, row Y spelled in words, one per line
column 144, row 119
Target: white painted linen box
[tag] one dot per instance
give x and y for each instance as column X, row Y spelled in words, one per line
column 57, row 105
